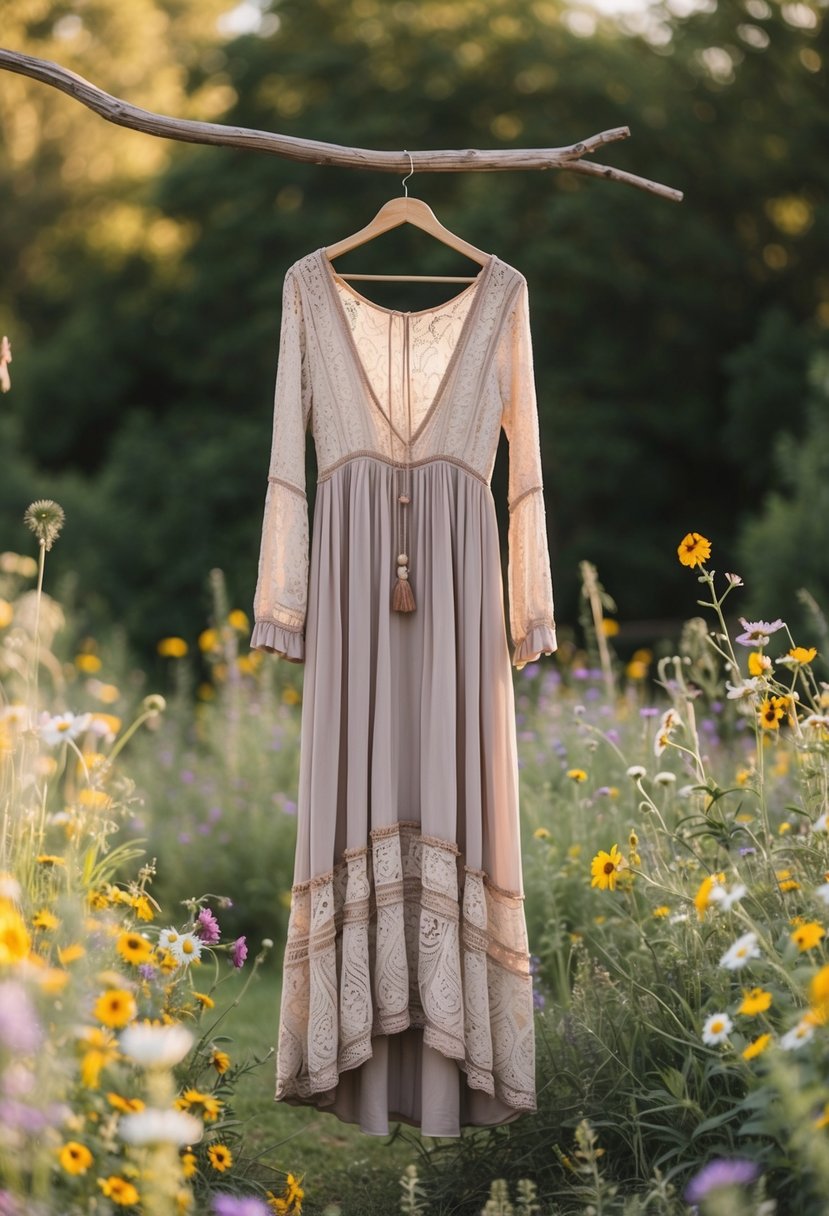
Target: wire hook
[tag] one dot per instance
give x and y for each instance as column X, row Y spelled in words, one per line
column 409, row 174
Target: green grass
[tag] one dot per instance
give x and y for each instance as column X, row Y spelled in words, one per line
column 340, row 1163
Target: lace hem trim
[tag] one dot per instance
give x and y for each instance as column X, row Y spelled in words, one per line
column 540, row 639
column 399, row 934
column 278, row 639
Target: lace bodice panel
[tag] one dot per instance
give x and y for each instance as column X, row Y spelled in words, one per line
column 406, row 388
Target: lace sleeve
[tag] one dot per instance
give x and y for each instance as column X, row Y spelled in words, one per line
column 532, row 622
column 282, row 586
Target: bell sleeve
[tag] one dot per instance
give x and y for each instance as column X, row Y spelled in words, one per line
column 281, row 595
column 532, row 620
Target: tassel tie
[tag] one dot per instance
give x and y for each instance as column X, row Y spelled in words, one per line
column 402, row 599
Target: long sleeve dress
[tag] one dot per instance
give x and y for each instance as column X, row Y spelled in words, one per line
column 407, row 993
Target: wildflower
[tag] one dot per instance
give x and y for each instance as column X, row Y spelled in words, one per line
column 785, row 881
column 542, row 833
column 717, row 1028
column 119, row 1191
column 610, row 628
column 704, row 892
column 60, row 727
column 740, row 952
column 819, row 990
column 134, row 948
column 783, row 828
column 821, row 824
column 756, row 1047
column 210, row 1106
column 167, row 937
column 736, row 1171
column 243, row 1205
column 115, row 1008
column 204, row 1000
column 207, row 927
column 665, row 777
column 798, row 1036
column 755, row 1000
column 693, row 550
column 662, row 910
column 45, row 920
column 726, row 898
column 816, row 722
column 800, row 655
column 240, row 952
column 605, row 869
column 189, row 1165
column 75, row 1158
column 172, row 648
column 667, row 725
column 237, row 619
column 156, row 1046
column 220, row 1157
column 127, row 1106
column 576, row 774
column 15, row 942
column 771, row 710
column 758, row 663
column 100, row 1051
column 142, row 907
column 807, row 936
column 160, row 1127
column 636, row 772
column 209, row 640
column 186, row 948
column 757, row 633
column 45, row 518
column 220, row 1061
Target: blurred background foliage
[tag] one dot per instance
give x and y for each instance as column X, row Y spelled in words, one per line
column 677, row 346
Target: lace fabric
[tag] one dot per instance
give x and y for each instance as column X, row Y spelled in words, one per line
column 402, row 934
column 471, row 374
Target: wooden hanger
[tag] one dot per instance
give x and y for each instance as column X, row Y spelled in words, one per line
column 408, row 210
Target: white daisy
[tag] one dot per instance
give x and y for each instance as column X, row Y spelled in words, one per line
column 667, row 725
column 160, row 1127
column 665, row 778
column 167, row 937
column 727, row 897
column 797, row 1036
column 822, row 823
column 156, row 1046
column 186, row 948
column 741, row 952
column 636, row 772
column 60, row 727
column 717, row 1028
column 745, row 689
column 818, row 721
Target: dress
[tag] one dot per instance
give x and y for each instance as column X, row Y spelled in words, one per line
column 407, row 994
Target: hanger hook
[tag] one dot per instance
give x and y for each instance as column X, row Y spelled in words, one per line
column 409, row 174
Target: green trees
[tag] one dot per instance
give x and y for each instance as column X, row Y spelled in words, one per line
column 671, row 341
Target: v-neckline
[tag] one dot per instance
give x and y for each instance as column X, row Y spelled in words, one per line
column 476, row 287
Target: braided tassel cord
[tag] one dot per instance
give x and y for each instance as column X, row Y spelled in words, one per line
column 402, row 599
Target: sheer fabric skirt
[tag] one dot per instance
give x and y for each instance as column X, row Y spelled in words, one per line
column 407, row 994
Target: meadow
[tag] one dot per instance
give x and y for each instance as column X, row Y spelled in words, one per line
column 675, row 831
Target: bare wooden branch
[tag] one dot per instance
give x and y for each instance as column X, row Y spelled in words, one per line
column 465, row 160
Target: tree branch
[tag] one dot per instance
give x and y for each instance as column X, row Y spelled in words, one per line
column 467, row 160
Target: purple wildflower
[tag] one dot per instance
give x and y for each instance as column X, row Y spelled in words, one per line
column 207, row 927
column 240, row 951
column 146, row 971
column 757, row 632
column 649, row 711
column 746, row 850
column 738, row 1171
column 19, row 1028
column 225, row 1204
column 538, row 999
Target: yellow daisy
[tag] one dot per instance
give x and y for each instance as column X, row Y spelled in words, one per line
column 693, row 549
column 605, row 868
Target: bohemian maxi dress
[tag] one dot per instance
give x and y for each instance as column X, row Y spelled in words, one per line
column 407, row 992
